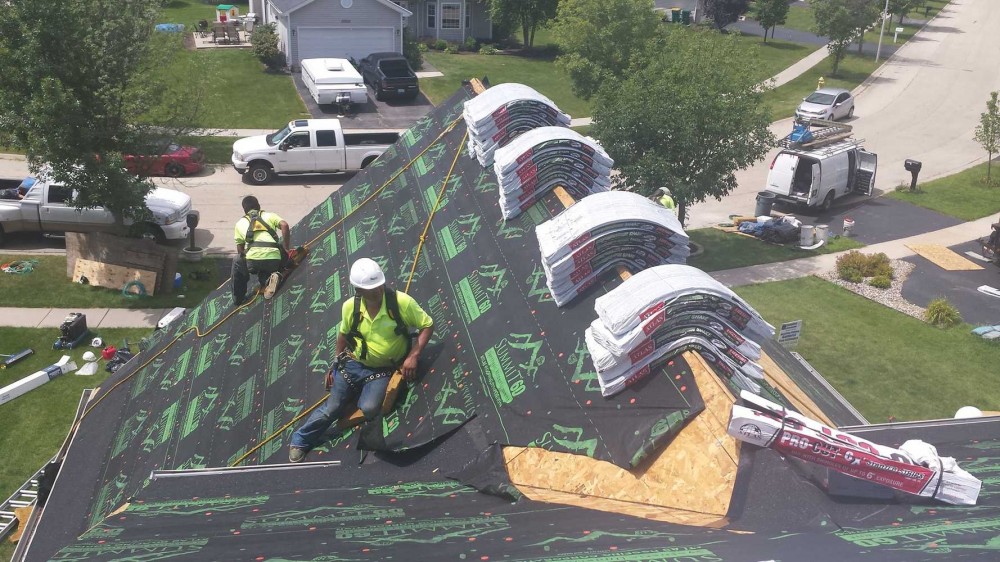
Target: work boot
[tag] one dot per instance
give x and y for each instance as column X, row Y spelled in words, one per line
column 296, row 454
column 272, row 285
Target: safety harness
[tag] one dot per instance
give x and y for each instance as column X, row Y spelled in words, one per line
column 391, row 308
column 252, row 218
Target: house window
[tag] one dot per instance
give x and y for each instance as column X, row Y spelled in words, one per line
column 468, row 17
column 451, row 16
column 432, row 9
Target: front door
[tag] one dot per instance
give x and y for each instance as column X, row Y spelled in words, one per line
column 295, row 154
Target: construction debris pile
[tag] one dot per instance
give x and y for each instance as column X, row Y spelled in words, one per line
column 583, row 241
column 540, row 159
column 914, row 468
column 665, row 310
column 503, row 112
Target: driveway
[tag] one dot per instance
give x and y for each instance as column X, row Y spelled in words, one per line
column 390, row 114
column 924, row 103
column 928, row 282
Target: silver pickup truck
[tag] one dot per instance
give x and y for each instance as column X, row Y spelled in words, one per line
column 48, row 208
column 309, row 146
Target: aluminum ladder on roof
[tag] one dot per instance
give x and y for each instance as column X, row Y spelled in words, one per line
column 23, row 497
column 824, row 133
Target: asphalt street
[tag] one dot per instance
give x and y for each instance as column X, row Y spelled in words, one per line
column 924, row 103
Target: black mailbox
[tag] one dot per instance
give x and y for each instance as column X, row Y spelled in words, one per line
column 192, row 219
column 913, row 166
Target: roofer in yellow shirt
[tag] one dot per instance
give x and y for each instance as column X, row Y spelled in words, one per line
column 260, row 250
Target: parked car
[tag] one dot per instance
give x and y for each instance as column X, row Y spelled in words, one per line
column 389, row 75
column 166, row 159
column 48, row 208
column 826, row 103
column 309, row 146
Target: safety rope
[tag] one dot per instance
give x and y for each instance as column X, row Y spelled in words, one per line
column 250, row 301
column 409, row 279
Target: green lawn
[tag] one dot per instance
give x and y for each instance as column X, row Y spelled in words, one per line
column 853, row 71
column 884, row 362
column 964, row 195
column 777, row 55
column 49, row 286
column 539, row 73
column 33, row 426
column 218, row 150
column 190, row 12
column 800, row 18
column 726, row 250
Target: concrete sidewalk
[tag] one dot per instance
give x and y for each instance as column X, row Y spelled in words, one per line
column 96, row 317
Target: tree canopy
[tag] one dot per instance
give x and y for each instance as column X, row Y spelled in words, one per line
column 988, row 131
column 770, row 13
column 528, row 14
column 687, row 118
column 85, row 83
column 835, row 20
column 600, row 38
column 725, row 12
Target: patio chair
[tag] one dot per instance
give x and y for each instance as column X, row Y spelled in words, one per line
column 219, row 35
column 234, row 35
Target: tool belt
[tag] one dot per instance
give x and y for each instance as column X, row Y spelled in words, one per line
column 376, row 374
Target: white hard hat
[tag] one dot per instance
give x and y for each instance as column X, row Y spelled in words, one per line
column 89, row 356
column 665, row 190
column 97, row 342
column 366, row 274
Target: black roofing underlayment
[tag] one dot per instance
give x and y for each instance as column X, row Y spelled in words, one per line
column 505, row 366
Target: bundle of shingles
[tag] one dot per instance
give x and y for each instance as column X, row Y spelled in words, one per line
column 501, row 113
column 602, row 231
column 665, row 310
column 914, row 468
column 543, row 158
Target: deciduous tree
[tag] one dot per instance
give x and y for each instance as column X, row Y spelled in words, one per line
column 687, row 119
column 725, row 12
column 902, row 7
column 835, row 20
column 770, row 13
column 86, row 83
column 528, row 14
column 988, row 131
column 599, row 39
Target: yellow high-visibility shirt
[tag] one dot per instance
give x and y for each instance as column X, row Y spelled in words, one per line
column 385, row 348
column 260, row 235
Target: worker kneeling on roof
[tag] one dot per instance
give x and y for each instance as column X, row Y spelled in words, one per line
column 373, row 341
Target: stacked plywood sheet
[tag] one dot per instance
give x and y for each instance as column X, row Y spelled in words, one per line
column 668, row 309
column 602, row 231
column 503, row 112
column 543, row 158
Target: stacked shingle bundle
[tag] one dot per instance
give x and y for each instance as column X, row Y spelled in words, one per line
column 666, row 310
column 501, row 113
column 540, row 159
column 602, row 231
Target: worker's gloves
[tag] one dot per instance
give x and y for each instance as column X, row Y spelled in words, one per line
column 292, row 253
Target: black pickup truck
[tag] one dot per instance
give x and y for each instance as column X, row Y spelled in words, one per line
column 389, row 75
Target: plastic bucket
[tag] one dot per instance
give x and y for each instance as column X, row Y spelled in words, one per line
column 848, row 226
column 806, row 235
column 822, row 232
column 765, row 202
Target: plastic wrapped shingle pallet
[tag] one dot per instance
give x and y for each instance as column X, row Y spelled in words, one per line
column 501, row 113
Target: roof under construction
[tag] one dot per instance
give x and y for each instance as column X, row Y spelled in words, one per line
column 504, row 448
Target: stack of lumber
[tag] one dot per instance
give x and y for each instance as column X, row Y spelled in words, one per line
column 914, row 468
column 603, row 231
column 543, row 158
column 501, row 113
column 668, row 309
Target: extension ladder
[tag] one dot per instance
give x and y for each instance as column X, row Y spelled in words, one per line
column 23, row 497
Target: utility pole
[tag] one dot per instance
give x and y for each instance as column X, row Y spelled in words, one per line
column 885, row 15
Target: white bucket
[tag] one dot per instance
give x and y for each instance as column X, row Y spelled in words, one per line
column 806, row 238
column 848, row 226
column 822, row 232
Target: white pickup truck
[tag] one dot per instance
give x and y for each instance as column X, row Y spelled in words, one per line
column 48, row 208
column 309, row 146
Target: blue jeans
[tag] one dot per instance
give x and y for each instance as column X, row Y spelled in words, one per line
column 342, row 394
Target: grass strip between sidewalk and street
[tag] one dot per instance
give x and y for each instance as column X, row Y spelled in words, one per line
column 33, row 426
column 884, row 362
column 49, row 286
column 964, row 195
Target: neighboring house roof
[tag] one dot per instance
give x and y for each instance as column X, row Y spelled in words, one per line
column 288, row 6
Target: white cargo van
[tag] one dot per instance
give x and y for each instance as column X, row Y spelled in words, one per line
column 326, row 79
column 823, row 165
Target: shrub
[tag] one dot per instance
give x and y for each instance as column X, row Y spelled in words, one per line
column 470, row 44
column 942, row 314
column 440, row 44
column 411, row 50
column 423, row 47
column 852, row 275
column 451, row 49
column 488, row 50
column 880, row 282
column 864, row 265
column 264, row 41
